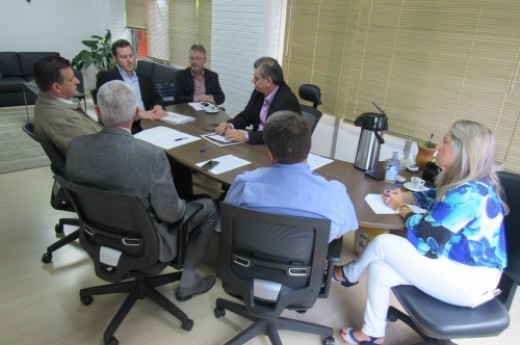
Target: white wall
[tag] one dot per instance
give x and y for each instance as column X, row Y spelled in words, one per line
column 242, row 31
column 57, row 25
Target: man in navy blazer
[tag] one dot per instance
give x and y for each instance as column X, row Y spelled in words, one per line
column 150, row 102
column 117, row 161
column 271, row 94
column 196, row 83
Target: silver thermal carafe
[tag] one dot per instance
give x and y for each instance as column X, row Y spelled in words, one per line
column 370, row 139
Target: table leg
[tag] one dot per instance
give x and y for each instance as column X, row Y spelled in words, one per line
column 26, row 106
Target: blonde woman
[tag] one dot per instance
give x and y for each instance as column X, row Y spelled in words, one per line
column 455, row 252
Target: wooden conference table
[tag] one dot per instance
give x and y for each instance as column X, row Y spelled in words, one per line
column 358, row 185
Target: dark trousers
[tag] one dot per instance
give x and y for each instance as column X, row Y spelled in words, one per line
column 182, row 179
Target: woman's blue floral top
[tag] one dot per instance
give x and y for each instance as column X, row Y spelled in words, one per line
column 466, row 225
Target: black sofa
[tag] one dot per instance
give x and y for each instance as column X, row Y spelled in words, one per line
column 16, row 69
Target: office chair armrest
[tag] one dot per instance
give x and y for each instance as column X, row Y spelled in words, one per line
column 335, row 247
column 333, row 255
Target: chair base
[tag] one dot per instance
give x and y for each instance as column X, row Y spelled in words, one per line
column 269, row 327
column 139, row 288
column 47, row 256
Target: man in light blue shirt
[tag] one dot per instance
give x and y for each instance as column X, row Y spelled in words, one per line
column 149, row 100
column 290, row 186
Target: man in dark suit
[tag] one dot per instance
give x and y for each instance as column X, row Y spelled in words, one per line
column 196, row 83
column 113, row 159
column 150, row 102
column 271, row 94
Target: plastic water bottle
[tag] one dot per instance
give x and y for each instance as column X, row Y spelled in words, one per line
column 392, row 168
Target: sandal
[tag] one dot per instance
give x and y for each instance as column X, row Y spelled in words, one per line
column 348, row 336
column 345, row 282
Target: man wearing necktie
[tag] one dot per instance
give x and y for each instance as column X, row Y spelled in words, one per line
column 56, row 116
column 271, row 94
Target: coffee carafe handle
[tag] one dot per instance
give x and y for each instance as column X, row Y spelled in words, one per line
column 379, row 137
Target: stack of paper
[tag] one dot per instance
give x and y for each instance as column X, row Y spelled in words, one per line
column 226, row 163
column 176, row 118
column 315, row 161
column 219, row 140
column 165, row 137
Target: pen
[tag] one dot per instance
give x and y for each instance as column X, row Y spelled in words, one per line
column 204, row 148
column 179, row 139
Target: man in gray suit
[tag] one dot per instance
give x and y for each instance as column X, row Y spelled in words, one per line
column 113, row 159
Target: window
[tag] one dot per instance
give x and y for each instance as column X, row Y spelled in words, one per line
column 426, row 62
column 190, row 22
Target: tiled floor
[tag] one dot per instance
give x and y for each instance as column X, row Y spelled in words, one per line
column 39, row 302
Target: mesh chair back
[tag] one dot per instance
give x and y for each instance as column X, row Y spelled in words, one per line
column 115, row 223
column 281, row 249
column 56, row 158
column 312, row 115
column 511, row 188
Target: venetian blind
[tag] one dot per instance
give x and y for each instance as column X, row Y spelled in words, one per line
column 157, row 30
column 426, row 62
column 135, row 14
column 190, row 23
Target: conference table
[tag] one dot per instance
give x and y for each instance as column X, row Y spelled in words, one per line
column 358, row 185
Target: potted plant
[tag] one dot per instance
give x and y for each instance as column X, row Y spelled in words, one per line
column 98, row 54
column 426, row 151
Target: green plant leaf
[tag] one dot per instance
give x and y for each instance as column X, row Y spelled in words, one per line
column 98, row 53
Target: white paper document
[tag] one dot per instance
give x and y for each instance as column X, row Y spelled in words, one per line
column 225, row 164
column 165, row 137
column 315, row 161
column 219, row 140
column 197, row 106
column 176, row 118
column 376, row 203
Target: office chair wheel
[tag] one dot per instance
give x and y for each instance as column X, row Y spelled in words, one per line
column 187, row 325
column 329, row 341
column 219, row 312
column 112, row 341
column 58, row 229
column 87, row 300
column 46, row 258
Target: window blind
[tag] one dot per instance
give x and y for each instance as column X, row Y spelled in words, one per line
column 426, row 62
column 157, row 30
column 190, row 23
column 135, row 14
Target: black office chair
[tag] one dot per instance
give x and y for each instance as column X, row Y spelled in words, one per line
column 438, row 322
column 119, row 235
column 273, row 262
column 312, row 115
column 59, row 200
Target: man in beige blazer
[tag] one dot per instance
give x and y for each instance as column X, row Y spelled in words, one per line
column 56, row 116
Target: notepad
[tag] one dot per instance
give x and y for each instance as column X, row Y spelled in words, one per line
column 176, row 118
column 376, row 203
column 226, row 163
column 219, row 140
column 316, row 162
column 165, row 137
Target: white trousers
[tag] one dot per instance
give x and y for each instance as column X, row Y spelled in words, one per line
column 392, row 260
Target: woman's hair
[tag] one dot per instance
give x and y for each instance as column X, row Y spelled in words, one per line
column 473, row 147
